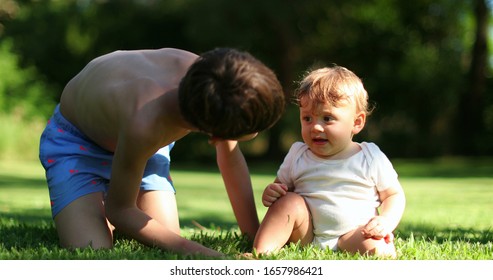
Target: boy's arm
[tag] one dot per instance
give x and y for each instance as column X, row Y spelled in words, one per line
column 236, row 177
column 121, row 203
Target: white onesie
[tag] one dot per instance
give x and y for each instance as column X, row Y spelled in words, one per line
column 341, row 194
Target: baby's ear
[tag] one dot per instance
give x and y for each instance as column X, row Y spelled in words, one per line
column 359, row 122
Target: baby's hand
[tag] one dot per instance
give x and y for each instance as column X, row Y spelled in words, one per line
column 377, row 229
column 273, row 192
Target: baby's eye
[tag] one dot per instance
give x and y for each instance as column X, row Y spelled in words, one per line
column 328, row 118
column 307, row 119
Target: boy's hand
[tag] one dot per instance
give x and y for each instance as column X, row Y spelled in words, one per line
column 272, row 193
column 377, row 228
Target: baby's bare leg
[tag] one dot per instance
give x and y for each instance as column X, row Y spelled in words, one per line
column 287, row 220
column 83, row 223
column 355, row 242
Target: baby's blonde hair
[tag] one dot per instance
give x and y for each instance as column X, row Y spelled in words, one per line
column 333, row 85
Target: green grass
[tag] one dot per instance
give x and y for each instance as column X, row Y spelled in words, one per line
column 448, row 215
column 19, row 138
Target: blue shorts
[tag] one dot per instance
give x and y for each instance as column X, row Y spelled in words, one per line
column 75, row 166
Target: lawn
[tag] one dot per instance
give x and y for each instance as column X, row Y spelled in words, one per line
column 448, row 214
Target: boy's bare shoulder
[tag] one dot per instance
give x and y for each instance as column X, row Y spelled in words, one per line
column 159, row 56
column 170, row 56
column 172, row 52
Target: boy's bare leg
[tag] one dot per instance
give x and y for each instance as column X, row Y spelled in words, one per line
column 161, row 206
column 287, row 220
column 355, row 242
column 83, row 224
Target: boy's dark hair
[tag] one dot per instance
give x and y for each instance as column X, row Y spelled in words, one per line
column 228, row 94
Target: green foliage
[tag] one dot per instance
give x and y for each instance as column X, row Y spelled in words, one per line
column 446, row 218
column 413, row 56
column 21, row 89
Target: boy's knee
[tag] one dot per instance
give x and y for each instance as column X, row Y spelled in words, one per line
column 94, row 243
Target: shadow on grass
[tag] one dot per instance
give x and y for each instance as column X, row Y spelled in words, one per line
column 445, row 167
column 31, row 229
column 12, row 181
column 26, row 232
column 443, row 235
column 27, row 216
column 212, row 222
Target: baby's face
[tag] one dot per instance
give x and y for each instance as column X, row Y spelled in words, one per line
column 327, row 129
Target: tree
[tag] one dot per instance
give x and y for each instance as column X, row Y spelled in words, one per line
column 410, row 54
column 471, row 135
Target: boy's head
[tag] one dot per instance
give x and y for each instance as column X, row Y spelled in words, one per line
column 333, row 85
column 228, row 94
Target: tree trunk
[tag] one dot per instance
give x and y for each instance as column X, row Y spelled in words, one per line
column 470, row 111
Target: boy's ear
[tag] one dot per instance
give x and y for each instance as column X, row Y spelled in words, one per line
column 359, row 122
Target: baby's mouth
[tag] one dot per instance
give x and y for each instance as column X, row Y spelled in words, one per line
column 319, row 141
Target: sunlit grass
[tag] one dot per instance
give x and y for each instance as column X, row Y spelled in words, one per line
column 19, row 139
column 449, row 202
column 446, row 218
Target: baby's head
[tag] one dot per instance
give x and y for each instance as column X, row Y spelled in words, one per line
column 333, row 85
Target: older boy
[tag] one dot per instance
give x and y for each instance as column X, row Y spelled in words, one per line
column 106, row 148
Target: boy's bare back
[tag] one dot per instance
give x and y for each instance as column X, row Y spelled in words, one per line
column 108, row 98
column 132, row 104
